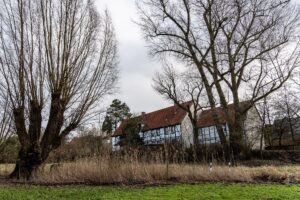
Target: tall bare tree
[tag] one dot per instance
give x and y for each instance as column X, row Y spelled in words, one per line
column 58, row 60
column 186, row 90
column 243, row 46
column 287, row 111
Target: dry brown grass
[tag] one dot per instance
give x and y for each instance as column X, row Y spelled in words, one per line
column 130, row 171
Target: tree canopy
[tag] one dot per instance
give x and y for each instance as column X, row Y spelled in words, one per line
column 242, row 50
column 116, row 113
column 58, row 60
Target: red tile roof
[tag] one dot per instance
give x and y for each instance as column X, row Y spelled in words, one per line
column 206, row 117
column 161, row 118
column 174, row 115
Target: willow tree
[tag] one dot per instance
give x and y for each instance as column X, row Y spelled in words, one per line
column 242, row 49
column 58, row 60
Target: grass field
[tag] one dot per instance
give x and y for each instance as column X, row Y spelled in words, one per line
column 201, row 191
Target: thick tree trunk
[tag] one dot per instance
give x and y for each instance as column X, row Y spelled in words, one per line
column 30, row 159
column 28, row 162
column 34, row 153
column 224, row 142
column 237, row 139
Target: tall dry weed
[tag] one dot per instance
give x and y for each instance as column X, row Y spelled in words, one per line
column 127, row 169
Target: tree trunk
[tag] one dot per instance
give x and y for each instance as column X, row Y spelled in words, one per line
column 33, row 152
column 280, row 138
column 237, row 139
column 211, row 99
column 28, row 162
column 262, row 136
column 224, row 142
column 195, row 140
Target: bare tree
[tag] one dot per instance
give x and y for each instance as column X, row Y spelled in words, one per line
column 264, row 107
column 287, row 112
column 58, row 60
column 5, row 123
column 186, row 90
column 245, row 47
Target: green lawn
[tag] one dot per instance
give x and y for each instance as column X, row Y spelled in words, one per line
column 202, row 191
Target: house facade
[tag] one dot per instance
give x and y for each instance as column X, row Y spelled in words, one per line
column 156, row 127
column 252, row 124
column 173, row 124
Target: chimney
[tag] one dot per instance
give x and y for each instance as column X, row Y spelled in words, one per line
column 143, row 115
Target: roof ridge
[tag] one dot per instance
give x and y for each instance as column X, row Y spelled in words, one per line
column 229, row 105
column 162, row 109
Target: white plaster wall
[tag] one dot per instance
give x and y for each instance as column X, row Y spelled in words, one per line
column 187, row 132
column 252, row 127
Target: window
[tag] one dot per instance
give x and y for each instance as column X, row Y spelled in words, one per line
column 157, row 133
column 158, row 136
column 147, row 137
column 115, row 143
column 209, row 135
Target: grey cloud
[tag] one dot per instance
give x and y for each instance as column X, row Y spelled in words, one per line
column 136, row 67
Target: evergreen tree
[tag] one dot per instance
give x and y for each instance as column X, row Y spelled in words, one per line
column 107, row 125
column 116, row 113
column 131, row 137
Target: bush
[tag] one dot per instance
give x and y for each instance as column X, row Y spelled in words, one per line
column 80, row 147
column 10, row 150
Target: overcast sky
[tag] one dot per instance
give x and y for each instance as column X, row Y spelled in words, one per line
column 136, row 67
